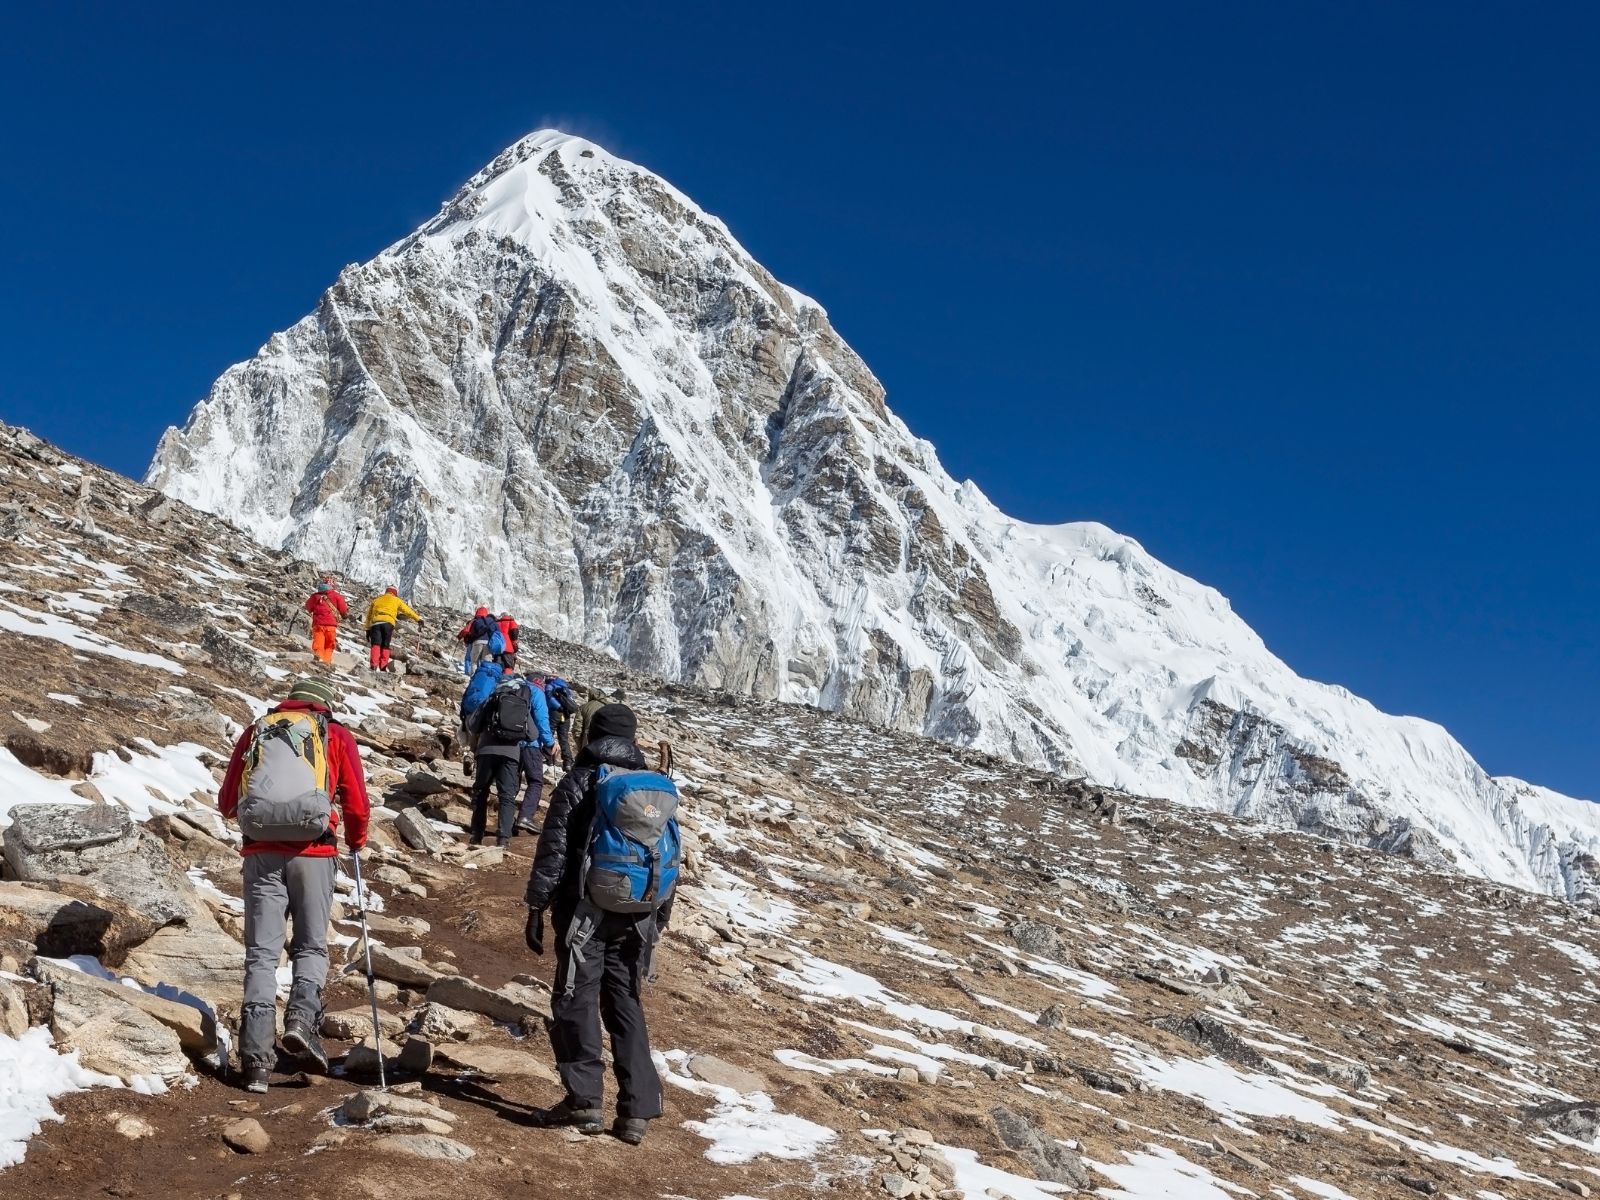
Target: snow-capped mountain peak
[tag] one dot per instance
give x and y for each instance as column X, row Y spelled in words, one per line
column 573, row 393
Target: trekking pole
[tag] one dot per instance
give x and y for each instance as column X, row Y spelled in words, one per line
column 372, row 983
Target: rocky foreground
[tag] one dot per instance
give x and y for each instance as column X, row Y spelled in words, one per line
column 897, row 968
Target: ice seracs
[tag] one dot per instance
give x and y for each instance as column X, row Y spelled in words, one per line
column 572, row 392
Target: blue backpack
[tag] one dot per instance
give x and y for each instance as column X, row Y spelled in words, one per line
column 497, row 642
column 635, row 851
column 480, row 687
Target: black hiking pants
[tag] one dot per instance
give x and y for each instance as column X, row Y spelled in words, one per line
column 532, row 768
column 561, row 726
column 505, row 776
column 608, row 982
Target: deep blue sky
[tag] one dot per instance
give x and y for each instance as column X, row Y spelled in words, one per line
column 1302, row 296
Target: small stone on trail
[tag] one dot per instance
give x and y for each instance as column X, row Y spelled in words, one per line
column 428, row 1145
column 134, row 1128
column 416, row 1056
column 246, row 1136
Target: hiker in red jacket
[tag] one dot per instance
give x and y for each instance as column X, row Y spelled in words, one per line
column 476, row 633
column 327, row 608
column 509, row 629
column 305, row 772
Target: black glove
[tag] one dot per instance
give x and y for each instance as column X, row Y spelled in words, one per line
column 549, row 755
column 533, row 933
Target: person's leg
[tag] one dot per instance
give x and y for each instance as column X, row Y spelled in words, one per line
column 374, row 650
column 266, row 911
column 638, row 1084
column 310, row 880
column 507, row 776
column 575, row 1024
column 533, row 772
column 564, row 740
column 482, row 779
column 385, row 637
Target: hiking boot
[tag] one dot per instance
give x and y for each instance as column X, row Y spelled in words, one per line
column 527, row 827
column 301, row 1042
column 502, row 842
column 630, row 1129
column 570, row 1112
column 467, row 765
column 255, row 1078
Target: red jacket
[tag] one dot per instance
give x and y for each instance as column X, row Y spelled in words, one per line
column 347, row 784
column 326, row 608
column 508, row 630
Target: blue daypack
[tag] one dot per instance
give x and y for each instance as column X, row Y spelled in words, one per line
column 497, row 643
column 635, row 851
column 480, row 687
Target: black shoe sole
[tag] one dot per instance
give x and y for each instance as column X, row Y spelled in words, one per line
column 300, row 1049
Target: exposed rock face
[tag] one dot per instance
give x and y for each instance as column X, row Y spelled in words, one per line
column 574, row 393
column 112, row 1034
column 103, row 848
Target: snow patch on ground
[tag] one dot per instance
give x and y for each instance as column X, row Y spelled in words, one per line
column 744, row 1126
column 32, row 1074
column 1157, row 1173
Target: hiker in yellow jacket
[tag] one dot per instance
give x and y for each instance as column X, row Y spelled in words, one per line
column 382, row 614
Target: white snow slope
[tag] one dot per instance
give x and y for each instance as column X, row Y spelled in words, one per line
column 573, row 393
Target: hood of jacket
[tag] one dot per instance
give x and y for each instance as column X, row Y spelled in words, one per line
column 612, row 751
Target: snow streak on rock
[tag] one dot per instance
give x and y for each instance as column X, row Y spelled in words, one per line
column 574, row 393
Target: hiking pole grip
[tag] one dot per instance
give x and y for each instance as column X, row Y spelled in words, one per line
column 372, row 983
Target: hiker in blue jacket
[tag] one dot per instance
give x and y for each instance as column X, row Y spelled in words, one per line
column 536, row 752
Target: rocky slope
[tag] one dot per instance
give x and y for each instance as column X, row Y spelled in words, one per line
column 900, row 968
column 575, row 394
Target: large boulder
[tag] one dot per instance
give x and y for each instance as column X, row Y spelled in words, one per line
column 198, row 957
column 112, row 1034
column 100, row 852
column 1048, row 1158
column 418, row 832
column 195, row 1028
column 101, row 847
column 62, row 924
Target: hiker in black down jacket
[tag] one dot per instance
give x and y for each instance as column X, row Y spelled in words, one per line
column 606, row 980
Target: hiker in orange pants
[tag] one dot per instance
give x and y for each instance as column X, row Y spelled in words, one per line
column 327, row 608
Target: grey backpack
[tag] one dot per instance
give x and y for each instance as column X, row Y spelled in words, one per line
column 283, row 792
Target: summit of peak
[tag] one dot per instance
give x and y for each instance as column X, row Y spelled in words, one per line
column 520, row 192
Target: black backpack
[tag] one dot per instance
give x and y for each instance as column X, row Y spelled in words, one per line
column 482, row 629
column 507, row 718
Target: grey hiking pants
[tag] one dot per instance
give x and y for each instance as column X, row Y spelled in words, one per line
column 280, row 889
